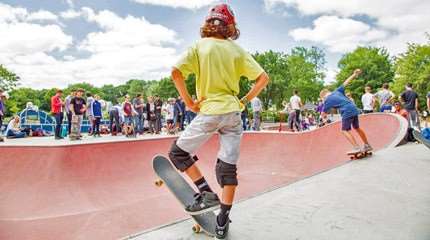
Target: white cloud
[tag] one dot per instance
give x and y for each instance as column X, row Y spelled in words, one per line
column 406, row 20
column 339, row 34
column 70, row 14
column 190, row 4
column 42, row 15
column 122, row 48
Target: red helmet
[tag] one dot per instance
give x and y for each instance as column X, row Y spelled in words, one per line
column 222, row 12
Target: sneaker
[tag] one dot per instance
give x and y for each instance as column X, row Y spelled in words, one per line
column 367, row 148
column 203, row 202
column 354, row 150
column 222, row 231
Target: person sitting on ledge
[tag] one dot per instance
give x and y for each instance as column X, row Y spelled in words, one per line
column 14, row 130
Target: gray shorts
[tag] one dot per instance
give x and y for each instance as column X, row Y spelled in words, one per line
column 229, row 127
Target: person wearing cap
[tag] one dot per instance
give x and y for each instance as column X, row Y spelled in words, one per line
column 218, row 64
column 57, row 110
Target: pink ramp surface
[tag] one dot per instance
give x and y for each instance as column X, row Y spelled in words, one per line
column 107, row 190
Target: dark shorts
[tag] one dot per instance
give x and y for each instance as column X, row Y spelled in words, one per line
column 169, row 121
column 348, row 122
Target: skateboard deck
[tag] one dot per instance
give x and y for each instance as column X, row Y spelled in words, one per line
column 359, row 155
column 418, row 136
column 74, row 131
column 183, row 192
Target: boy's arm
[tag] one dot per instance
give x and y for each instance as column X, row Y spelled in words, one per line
column 179, row 82
column 261, row 83
column 356, row 73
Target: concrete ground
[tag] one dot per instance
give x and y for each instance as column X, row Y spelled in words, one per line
column 384, row 197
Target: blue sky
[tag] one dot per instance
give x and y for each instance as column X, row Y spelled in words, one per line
column 54, row 43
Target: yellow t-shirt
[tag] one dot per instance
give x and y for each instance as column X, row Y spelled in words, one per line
column 218, row 65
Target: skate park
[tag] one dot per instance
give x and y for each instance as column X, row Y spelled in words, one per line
column 301, row 185
column 214, row 119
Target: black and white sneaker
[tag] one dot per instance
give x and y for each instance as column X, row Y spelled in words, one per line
column 222, row 231
column 203, row 202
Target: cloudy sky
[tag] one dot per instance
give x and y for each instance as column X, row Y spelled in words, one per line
column 53, row 43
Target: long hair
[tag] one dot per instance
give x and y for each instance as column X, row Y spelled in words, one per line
column 216, row 27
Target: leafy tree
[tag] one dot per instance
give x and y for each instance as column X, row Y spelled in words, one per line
column 377, row 69
column 414, row 67
column 8, row 79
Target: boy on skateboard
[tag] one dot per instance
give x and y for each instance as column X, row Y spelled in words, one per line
column 218, row 63
column 349, row 113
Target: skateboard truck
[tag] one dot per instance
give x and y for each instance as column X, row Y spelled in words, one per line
column 158, row 182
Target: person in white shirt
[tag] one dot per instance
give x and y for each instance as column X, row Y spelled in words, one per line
column 296, row 105
column 368, row 100
column 170, row 114
column 257, row 107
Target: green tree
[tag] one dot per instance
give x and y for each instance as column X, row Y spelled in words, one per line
column 377, row 66
column 8, row 79
column 413, row 66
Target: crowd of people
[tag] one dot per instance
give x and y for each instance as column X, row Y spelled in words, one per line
column 132, row 117
column 136, row 116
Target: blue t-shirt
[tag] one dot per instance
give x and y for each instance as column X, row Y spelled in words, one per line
column 96, row 108
column 337, row 99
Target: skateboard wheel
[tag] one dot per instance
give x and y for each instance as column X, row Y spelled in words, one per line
column 158, row 183
column 196, row 228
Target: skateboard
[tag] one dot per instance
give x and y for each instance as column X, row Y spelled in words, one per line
column 74, row 131
column 183, row 192
column 359, row 155
column 418, row 136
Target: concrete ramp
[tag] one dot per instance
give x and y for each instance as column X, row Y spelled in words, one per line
column 105, row 190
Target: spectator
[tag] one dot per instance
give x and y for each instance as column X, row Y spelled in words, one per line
column 115, row 115
column 385, row 97
column 170, row 115
column 57, row 110
column 13, row 129
column 78, row 107
column 97, row 114
column 319, row 109
column 127, row 108
column 409, row 99
column 68, row 109
column 368, row 100
column 189, row 115
column 244, row 117
column 90, row 100
column 296, row 104
column 292, row 118
column 398, row 109
column 179, row 114
column 139, row 107
column 151, row 115
column 257, row 108
column 158, row 106
column 2, row 111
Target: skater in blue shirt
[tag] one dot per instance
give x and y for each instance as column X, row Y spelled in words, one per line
column 348, row 111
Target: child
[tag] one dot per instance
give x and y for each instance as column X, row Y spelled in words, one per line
column 96, row 109
column 127, row 108
column 348, row 111
column 170, row 112
column 218, row 63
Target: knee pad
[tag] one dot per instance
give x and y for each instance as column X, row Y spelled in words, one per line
column 181, row 159
column 226, row 173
